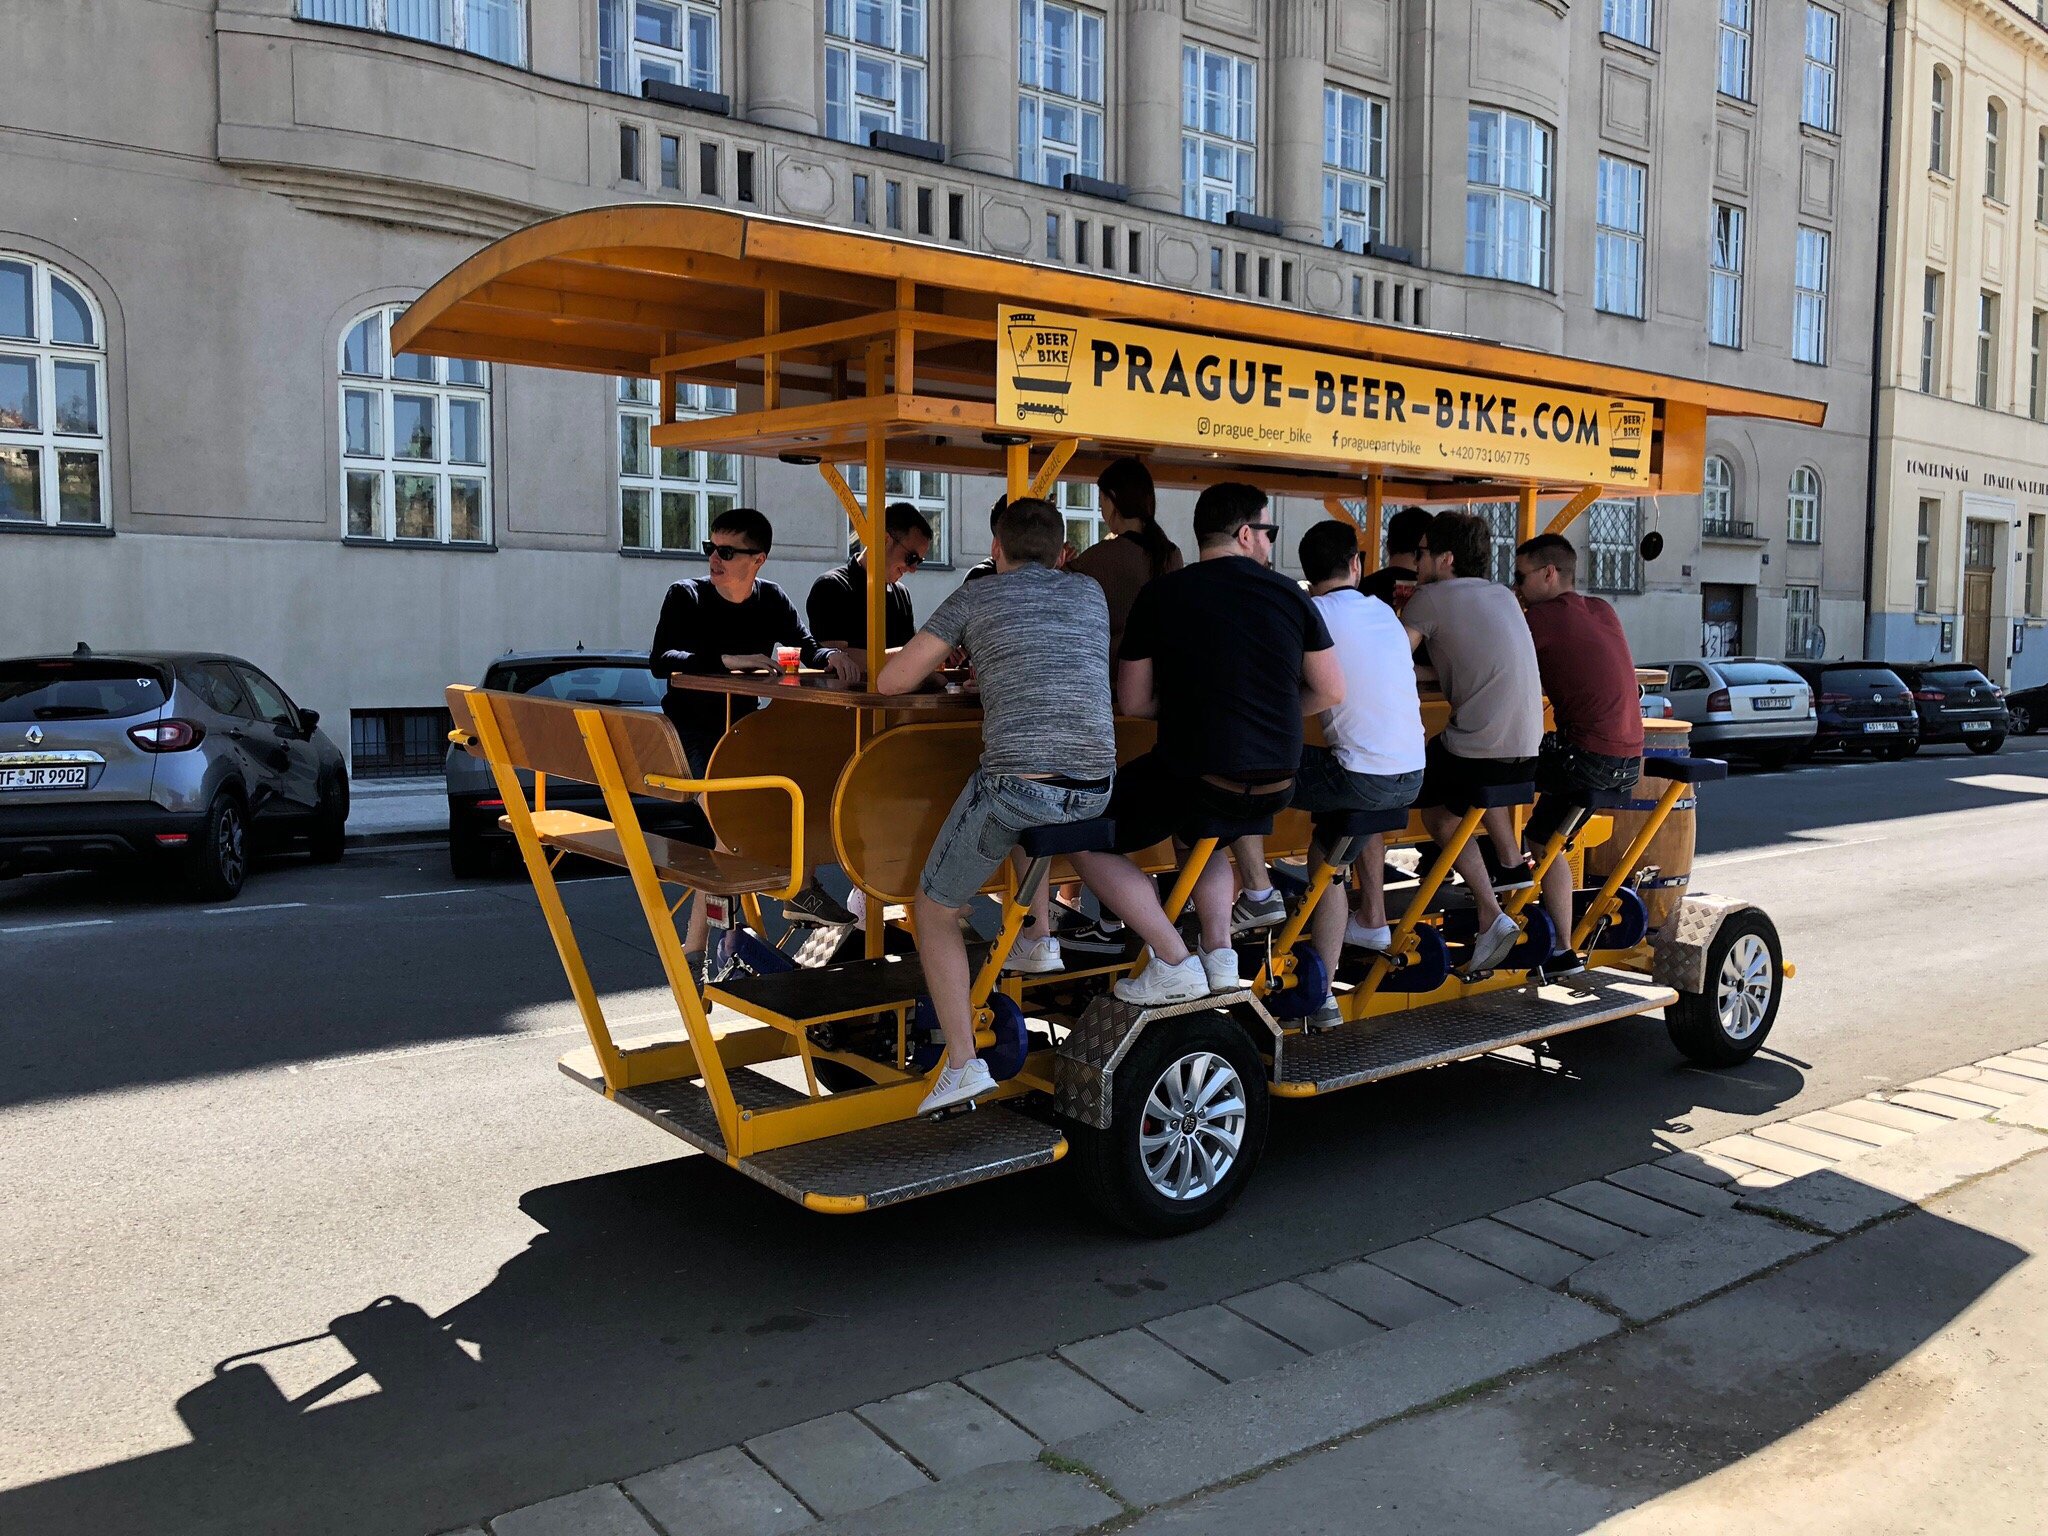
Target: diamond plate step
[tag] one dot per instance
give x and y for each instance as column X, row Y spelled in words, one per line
column 883, row 1165
column 1429, row 1036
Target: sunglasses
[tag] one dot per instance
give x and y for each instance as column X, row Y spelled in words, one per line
column 1519, row 578
column 910, row 557
column 1268, row 529
column 718, row 551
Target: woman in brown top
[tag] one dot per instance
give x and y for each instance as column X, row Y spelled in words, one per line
column 1139, row 551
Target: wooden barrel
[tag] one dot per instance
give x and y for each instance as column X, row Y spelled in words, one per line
column 1671, row 849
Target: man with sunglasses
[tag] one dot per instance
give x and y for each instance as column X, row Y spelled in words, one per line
column 838, row 605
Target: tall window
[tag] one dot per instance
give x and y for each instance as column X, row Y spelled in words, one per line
column 1614, row 532
column 874, row 68
column 1618, row 239
column 1802, row 620
column 1219, row 99
column 53, row 399
column 1923, row 556
column 675, row 41
column 1626, row 18
column 1817, row 97
column 1717, row 496
column 1810, row 297
column 415, row 440
column 2037, row 533
column 1354, row 168
column 1724, row 316
column 2037, row 384
column 1987, row 348
column 1802, row 506
column 1508, row 162
column 669, row 497
column 1059, row 100
column 1994, row 150
column 1080, row 503
column 1930, row 332
column 2041, row 177
column 1937, row 122
column 496, row 29
column 927, row 490
column 1732, row 76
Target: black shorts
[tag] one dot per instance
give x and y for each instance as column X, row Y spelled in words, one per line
column 1565, row 776
column 1153, row 801
column 1454, row 782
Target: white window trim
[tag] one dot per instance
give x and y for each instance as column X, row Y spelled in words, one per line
column 1726, row 279
column 1931, row 330
column 45, row 352
column 1738, row 39
column 840, row 39
column 387, row 464
column 1940, row 90
column 1034, row 151
column 1541, row 203
column 377, row 18
column 1717, row 490
column 1198, row 188
column 1810, row 295
column 934, row 501
column 639, row 405
column 1824, row 72
column 1802, row 506
column 1630, row 20
column 1802, row 617
column 1988, row 307
column 1995, row 119
column 1369, row 177
column 1926, row 527
column 639, row 54
column 1614, row 239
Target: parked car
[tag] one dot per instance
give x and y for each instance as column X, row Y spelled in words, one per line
column 1743, row 706
column 186, row 761
column 1956, row 703
column 477, row 845
column 1655, row 703
column 2025, row 709
column 1864, row 707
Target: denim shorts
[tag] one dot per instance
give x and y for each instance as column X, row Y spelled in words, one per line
column 1323, row 783
column 983, row 826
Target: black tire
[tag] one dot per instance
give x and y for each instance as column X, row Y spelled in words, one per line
column 218, row 863
column 1727, row 1023
column 330, row 825
column 2019, row 720
column 1984, row 746
column 838, row 1077
column 1111, row 1163
column 469, row 856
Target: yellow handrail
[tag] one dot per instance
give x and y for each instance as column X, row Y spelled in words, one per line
column 755, row 781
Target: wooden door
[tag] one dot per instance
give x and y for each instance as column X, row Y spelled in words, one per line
column 1979, row 563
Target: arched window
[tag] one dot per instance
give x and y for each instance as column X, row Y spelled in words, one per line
column 53, row 398
column 415, row 440
column 669, row 497
column 1802, row 506
column 1994, row 150
column 1937, row 122
column 1717, row 497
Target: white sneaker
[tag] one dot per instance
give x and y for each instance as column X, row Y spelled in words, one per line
column 1494, row 944
column 1035, row 957
column 1220, row 967
column 956, row 1085
column 1358, row 936
column 1159, row 984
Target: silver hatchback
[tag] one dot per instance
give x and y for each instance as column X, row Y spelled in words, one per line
column 1743, row 706
column 190, row 761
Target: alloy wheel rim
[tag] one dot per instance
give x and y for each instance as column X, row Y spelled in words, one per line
column 1191, row 1129
column 1743, row 994
column 228, row 843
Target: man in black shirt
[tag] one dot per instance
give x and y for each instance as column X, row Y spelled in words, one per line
column 1228, row 656
column 1392, row 582
column 838, row 606
column 986, row 566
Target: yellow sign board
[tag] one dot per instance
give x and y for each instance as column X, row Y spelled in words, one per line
column 1133, row 383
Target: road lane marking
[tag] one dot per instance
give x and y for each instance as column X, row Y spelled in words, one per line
column 85, row 922
column 1723, row 860
column 453, row 890
column 268, row 906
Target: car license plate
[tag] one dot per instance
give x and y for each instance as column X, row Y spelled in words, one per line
column 1770, row 703
column 1976, row 725
column 43, row 778
column 1881, row 725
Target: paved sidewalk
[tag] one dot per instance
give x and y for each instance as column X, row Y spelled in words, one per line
column 397, row 810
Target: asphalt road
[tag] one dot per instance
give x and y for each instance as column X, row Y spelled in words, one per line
column 302, row 1230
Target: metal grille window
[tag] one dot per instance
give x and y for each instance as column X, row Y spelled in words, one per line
column 494, row 29
column 1802, row 621
column 1810, row 297
column 415, row 440
column 1802, row 506
column 1724, row 317
column 1823, row 41
column 1219, row 114
column 1987, row 348
column 1717, row 496
column 1501, row 519
column 397, row 743
column 927, row 490
column 1627, row 18
column 1618, row 239
column 874, row 69
column 1930, row 332
column 1937, row 122
column 675, row 41
column 1923, row 556
column 669, row 497
column 1732, row 74
column 1614, row 532
column 1059, row 100
column 1354, row 169
column 1508, row 162
column 1994, row 150
column 53, row 399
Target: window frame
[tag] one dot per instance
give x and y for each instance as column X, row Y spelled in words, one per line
column 1939, row 90
column 638, row 53
column 1036, row 155
column 637, row 405
column 455, row 23
column 1933, row 299
column 1735, row 48
column 1802, row 506
column 1987, row 349
column 1626, row 18
column 1819, row 106
column 1928, row 524
column 45, row 355
column 1540, row 201
column 387, row 464
column 1995, row 118
column 1802, row 618
column 1610, row 239
column 1203, row 196
column 1725, row 277
column 1368, row 176
column 842, row 39
column 1614, row 563
column 2032, row 574
column 2037, row 365
column 1717, row 492
column 935, row 502
column 1811, row 258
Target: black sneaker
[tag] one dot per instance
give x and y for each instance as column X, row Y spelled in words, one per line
column 1564, row 962
column 812, row 905
column 1096, row 936
column 1507, row 877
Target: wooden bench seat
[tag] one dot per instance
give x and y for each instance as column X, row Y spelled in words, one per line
column 676, row 862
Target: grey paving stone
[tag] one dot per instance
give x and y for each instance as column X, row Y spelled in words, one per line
column 1867, row 1131
column 1015, row 1499
column 1223, row 1342
column 1767, row 1155
column 599, row 1511
column 2031, row 1053
column 1047, row 1396
column 1626, row 1208
column 1379, row 1294
column 1960, row 1088
column 1306, row 1319
column 1515, row 1251
column 1560, row 1224
column 1669, row 1188
column 1657, row 1277
column 1878, row 1112
column 1138, row 1368
column 1807, row 1138
column 948, row 1430
column 1249, row 1424
column 2017, row 1066
column 2016, row 1083
column 835, row 1464
column 1840, row 1200
column 1718, row 1168
column 2031, row 1112
column 1947, row 1106
column 720, row 1493
column 1456, row 1276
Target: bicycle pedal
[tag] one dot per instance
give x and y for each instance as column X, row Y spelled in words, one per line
column 951, row 1110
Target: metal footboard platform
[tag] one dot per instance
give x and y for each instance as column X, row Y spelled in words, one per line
column 857, row 1171
column 1372, row 1049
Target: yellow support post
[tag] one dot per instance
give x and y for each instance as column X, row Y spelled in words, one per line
column 1569, row 512
column 1056, row 458
column 1017, row 470
column 1183, row 888
column 1525, row 520
column 1432, row 882
column 1375, row 513
column 771, row 372
column 1597, row 909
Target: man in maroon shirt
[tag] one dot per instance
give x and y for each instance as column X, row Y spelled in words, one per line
column 1590, row 678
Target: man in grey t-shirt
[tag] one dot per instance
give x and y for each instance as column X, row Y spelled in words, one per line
column 1040, row 642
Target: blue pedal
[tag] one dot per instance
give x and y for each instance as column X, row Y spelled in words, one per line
column 1427, row 968
column 1311, row 987
column 1005, row 1058
column 1627, row 928
column 1538, row 941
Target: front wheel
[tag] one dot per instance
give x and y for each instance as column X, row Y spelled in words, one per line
column 1187, row 1124
column 1984, row 746
column 1745, row 980
column 2020, row 719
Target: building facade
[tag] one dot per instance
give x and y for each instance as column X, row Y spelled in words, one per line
column 1962, row 460
column 211, row 210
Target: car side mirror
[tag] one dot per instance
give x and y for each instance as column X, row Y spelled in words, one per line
column 309, row 721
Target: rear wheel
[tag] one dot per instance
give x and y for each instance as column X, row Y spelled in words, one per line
column 1725, row 1025
column 1984, row 746
column 220, row 853
column 2020, row 719
column 469, row 856
column 1187, row 1125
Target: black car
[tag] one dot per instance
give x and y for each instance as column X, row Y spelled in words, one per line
column 1863, row 706
column 476, row 843
column 1957, row 703
column 2025, row 709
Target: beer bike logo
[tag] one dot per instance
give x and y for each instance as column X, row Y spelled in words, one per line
column 1041, row 364
column 1628, row 436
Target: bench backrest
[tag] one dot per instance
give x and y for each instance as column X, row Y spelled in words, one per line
column 544, row 736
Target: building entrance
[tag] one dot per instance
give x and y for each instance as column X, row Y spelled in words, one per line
column 1720, row 620
column 1979, row 565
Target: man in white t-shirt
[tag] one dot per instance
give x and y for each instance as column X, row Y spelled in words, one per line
column 1375, row 754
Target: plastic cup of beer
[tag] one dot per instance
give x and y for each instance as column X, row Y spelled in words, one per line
column 787, row 659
